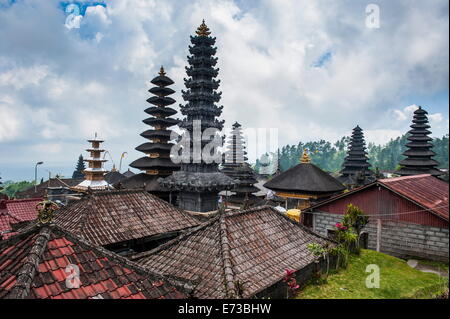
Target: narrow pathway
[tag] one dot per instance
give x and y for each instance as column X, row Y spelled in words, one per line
column 413, row 263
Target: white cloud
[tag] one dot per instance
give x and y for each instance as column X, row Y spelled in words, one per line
column 10, row 124
column 436, row 118
column 381, row 136
column 20, row 77
column 95, row 78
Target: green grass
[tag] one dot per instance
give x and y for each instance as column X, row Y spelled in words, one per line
column 439, row 265
column 397, row 281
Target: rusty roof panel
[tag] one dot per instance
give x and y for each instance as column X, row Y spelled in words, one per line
column 426, row 190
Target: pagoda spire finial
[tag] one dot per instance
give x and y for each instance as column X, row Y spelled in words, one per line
column 203, row 30
column 305, row 157
column 161, row 71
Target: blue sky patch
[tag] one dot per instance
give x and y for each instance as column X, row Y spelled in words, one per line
column 82, row 6
column 323, row 59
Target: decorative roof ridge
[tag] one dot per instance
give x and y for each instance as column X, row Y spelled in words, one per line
column 238, row 212
column 302, row 227
column 185, row 285
column 176, row 240
column 13, row 239
column 27, row 272
column 263, row 207
column 228, row 273
column 113, row 192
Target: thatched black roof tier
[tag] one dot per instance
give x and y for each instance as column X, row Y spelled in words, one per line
column 114, row 177
column 161, row 100
column 162, row 80
column 160, row 111
column 305, row 178
column 166, row 122
column 141, row 181
column 198, row 181
column 152, row 134
column 155, row 147
column 161, row 91
column 148, row 163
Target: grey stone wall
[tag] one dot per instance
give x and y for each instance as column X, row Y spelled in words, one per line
column 398, row 239
column 302, row 276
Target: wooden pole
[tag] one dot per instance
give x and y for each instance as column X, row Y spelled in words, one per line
column 378, row 234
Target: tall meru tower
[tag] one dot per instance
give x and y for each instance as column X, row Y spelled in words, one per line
column 199, row 181
column 157, row 162
column 237, row 168
column 419, row 154
column 356, row 167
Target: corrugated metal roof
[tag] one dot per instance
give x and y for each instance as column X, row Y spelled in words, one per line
column 426, row 190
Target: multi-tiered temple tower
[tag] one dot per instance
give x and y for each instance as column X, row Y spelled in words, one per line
column 157, row 162
column 419, row 154
column 235, row 167
column 356, row 166
column 94, row 174
column 199, row 180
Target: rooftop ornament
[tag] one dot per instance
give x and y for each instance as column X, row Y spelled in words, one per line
column 203, row 30
column 305, row 157
column 46, row 210
column 161, row 71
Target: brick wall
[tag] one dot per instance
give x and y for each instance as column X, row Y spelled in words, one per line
column 398, row 239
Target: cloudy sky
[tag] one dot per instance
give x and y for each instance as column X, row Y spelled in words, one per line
column 311, row 69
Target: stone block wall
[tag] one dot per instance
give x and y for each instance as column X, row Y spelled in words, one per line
column 398, row 239
column 302, row 276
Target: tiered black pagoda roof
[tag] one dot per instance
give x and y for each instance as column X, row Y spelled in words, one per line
column 157, row 163
column 200, row 183
column 235, row 167
column 419, row 154
column 356, row 168
column 305, row 179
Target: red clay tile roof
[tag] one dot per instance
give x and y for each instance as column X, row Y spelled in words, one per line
column 116, row 216
column 16, row 211
column 33, row 265
column 426, row 190
column 253, row 247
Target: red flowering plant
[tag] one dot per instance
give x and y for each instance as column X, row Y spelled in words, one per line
column 341, row 226
column 291, row 282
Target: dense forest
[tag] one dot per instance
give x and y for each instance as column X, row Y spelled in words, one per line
column 330, row 157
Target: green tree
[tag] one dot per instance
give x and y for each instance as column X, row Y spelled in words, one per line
column 330, row 157
column 11, row 188
column 78, row 173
